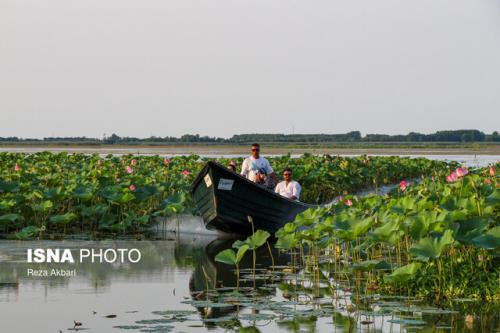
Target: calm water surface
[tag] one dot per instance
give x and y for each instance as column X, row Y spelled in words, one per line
column 171, row 276
column 467, row 159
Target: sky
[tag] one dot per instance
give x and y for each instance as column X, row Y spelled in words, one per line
column 224, row 67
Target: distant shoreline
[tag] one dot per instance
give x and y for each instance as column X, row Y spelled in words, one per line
column 203, row 149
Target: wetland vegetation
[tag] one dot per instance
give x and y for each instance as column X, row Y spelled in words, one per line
column 425, row 256
column 46, row 194
column 437, row 239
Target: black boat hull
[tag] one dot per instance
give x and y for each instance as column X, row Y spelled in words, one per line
column 226, row 200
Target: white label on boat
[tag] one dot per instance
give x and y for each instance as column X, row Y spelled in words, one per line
column 208, row 180
column 225, row 184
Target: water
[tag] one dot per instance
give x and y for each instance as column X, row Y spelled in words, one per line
column 217, row 152
column 174, row 273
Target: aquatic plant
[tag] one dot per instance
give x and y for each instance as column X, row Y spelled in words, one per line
column 229, row 257
column 123, row 194
column 438, row 238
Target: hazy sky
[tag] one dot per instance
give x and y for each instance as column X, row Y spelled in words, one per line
column 218, row 67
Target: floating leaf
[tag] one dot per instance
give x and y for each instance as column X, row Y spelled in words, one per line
column 407, row 321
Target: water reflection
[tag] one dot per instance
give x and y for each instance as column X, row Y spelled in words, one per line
column 212, row 275
column 159, row 260
column 178, row 284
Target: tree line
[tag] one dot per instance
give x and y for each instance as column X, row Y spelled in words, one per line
column 455, row 136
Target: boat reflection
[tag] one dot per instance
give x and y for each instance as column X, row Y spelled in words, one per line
column 212, row 281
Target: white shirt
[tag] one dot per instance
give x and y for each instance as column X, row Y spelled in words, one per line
column 293, row 188
column 251, row 166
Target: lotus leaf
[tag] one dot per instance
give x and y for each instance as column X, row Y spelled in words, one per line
column 403, row 274
column 432, row 248
column 490, row 240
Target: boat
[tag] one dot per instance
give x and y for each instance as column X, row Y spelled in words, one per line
column 228, row 202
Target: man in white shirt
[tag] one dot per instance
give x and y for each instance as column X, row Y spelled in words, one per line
column 252, row 165
column 288, row 188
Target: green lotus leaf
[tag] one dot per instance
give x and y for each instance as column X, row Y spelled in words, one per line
column 254, row 241
column 111, row 193
column 253, row 329
column 55, row 193
column 490, row 240
column 226, row 257
column 388, row 232
column 126, row 197
column 83, row 193
column 94, row 210
column 177, row 198
column 469, row 229
column 63, row 218
column 351, row 227
column 432, row 248
column 8, row 186
column 494, row 197
column 403, row 274
column 289, row 227
column 369, row 265
column 143, row 220
column 307, row 217
column 145, row 192
column 11, row 217
column 107, row 220
column 44, row 206
column 286, row 242
column 238, row 243
column 241, row 252
column 7, row 204
column 27, row 232
column 258, row 239
column 408, row 321
column 361, row 227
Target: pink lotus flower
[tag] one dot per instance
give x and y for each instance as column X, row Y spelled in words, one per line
column 403, row 185
column 185, row 173
column 487, row 181
column 17, row 167
column 452, row 177
column 461, row 172
column 132, row 187
column 166, row 161
column 129, row 169
column 133, row 162
column 492, row 170
column 348, row 202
